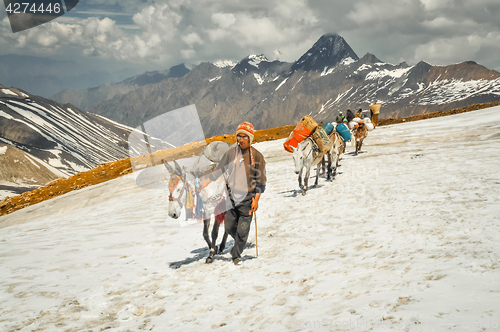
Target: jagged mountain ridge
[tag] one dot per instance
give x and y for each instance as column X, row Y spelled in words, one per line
column 88, row 99
column 326, row 53
column 328, row 78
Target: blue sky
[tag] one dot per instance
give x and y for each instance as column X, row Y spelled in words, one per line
column 159, row 34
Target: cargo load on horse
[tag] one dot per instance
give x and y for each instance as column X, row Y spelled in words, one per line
column 354, row 122
column 328, row 127
column 368, row 123
column 321, row 139
column 302, row 131
column 343, row 131
column 307, row 127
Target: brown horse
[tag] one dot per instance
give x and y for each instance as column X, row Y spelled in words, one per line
column 338, row 147
column 359, row 135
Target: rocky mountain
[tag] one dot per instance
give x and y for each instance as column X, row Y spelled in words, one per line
column 88, row 99
column 41, row 140
column 328, row 52
column 328, row 78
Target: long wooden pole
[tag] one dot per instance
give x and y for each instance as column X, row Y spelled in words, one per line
column 256, row 244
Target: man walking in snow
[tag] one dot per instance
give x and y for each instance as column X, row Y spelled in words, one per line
column 244, row 169
column 349, row 116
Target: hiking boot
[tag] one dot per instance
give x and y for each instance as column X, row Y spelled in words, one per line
column 237, row 261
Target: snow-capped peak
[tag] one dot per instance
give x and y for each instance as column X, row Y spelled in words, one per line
column 250, row 64
column 329, row 51
column 224, row 63
column 255, row 60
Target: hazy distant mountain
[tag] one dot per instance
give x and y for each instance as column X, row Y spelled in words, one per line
column 88, row 99
column 45, row 77
column 327, row 79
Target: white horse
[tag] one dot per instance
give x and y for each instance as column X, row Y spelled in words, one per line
column 305, row 156
column 182, row 185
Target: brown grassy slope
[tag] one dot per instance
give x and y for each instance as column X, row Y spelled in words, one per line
column 112, row 170
column 475, row 107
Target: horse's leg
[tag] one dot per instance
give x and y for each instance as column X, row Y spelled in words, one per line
column 300, row 177
column 211, row 245
column 320, row 167
column 329, row 169
column 206, row 226
column 317, row 177
column 334, row 163
column 308, row 172
column 215, row 234
column 337, row 161
column 223, row 242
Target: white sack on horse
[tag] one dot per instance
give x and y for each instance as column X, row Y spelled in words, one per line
column 354, row 122
column 369, row 124
column 215, row 150
column 206, row 161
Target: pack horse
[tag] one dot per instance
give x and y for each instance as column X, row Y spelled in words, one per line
column 359, row 135
column 307, row 154
column 182, row 193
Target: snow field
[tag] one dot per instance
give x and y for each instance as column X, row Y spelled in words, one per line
column 407, row 232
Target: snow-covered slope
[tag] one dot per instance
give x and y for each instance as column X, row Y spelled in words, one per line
column 407, row 232
column 61, row 136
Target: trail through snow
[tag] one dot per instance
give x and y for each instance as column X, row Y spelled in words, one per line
column 408, row 231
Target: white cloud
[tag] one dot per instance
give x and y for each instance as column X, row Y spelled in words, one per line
column 170, row 31
column 158, row 19
column 192, row 38
column 445, row 51
column 436, row 4
column 381, row 11
column 439, row 23
column 188, row 54
column 295, row 10
column 223, row 20
column 218, row 34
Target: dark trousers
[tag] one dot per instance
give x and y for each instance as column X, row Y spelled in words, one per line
column 237, row 223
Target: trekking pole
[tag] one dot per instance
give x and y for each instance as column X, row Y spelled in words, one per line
column 256, row 244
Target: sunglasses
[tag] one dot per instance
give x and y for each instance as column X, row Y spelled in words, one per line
column 242, row 137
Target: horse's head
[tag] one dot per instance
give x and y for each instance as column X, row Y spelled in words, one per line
column 177, row 186
column 298, row 158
